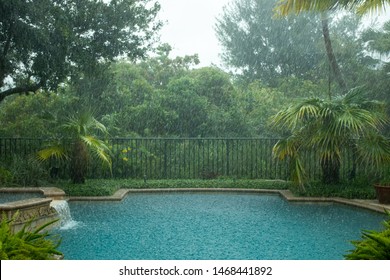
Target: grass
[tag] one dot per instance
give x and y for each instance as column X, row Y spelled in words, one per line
column 108, row 187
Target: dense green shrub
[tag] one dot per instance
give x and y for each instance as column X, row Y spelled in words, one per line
column 96, row 187
column 26, row 171
column 5, row 176
column 375, row 245
column 348, row 190
column 26, row 244
column 108, row 187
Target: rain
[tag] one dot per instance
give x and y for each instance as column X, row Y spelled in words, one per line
column 288, row 95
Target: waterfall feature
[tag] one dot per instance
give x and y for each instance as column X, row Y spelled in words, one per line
column 63, row 210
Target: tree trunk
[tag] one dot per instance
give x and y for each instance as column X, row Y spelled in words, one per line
column 79, row 163
column 330, row 53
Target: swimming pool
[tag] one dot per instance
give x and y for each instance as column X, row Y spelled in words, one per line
column 207, row 226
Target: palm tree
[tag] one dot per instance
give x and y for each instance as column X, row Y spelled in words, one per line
column 362, row 6
column 285, row 7
column 79, row 130
column 328, row 126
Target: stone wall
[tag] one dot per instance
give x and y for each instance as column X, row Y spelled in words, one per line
column 37, row 210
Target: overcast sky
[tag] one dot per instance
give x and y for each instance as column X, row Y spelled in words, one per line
column 189, row 28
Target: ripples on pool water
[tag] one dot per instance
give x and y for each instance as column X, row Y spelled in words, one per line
column 206, row 226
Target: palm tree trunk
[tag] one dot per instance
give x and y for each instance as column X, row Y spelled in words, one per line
column 79, row 162
column 330, row 53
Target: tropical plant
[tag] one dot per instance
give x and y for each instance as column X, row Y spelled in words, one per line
column 374, row 245
column 297, row 6
column 38, row 244
column 326, row 127
column 79, row 130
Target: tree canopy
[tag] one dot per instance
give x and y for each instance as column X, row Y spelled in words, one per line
column 44, row 42
column 265, row 48
column 260, row 46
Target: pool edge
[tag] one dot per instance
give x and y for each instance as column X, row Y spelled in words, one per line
column 286, row 194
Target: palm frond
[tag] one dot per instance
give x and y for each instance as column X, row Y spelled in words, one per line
column 285, row 7
column 297, row 115
column 288, row 148
column 355, row 121
column 99, row 126
column 83, row 123
column 57, row 152
column 99, row 148
column 104, row 157
column 298, row 173
column 374, row 151
column 373, row 6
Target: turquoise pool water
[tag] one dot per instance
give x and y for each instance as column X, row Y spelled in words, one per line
column 206, row 226
column 6, row 197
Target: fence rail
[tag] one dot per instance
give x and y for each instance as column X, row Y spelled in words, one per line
column 176, row 158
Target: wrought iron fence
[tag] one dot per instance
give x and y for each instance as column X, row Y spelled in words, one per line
column 163, row 158
column 178, row 158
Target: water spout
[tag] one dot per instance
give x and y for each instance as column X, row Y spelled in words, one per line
column 63, row 210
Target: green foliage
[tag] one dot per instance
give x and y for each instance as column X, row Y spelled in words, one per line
column 25, row 244
column 95, row 187
column 5, row 176
column 297, row 6
column 326, row 127
column 349, row 190
column 22, row 171
column 32, row 115
column 80, row 129
column 165, row 97
column 257, row 104
column 262, row 46
column 68, row 38
column 374, row 245
column 213, row 183
column 266, row 48
column 377, row 40
column 108, row 187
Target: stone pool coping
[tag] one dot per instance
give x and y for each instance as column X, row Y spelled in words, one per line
column 51, row 192
column 34, row 212
column 58, row 194
column 373, row 205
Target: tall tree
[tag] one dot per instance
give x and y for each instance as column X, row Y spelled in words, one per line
column 265, row 48
column 44, row 42
column 285, row 7
column 379, row 42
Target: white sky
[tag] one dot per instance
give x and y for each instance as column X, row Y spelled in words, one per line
column 189, row 28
